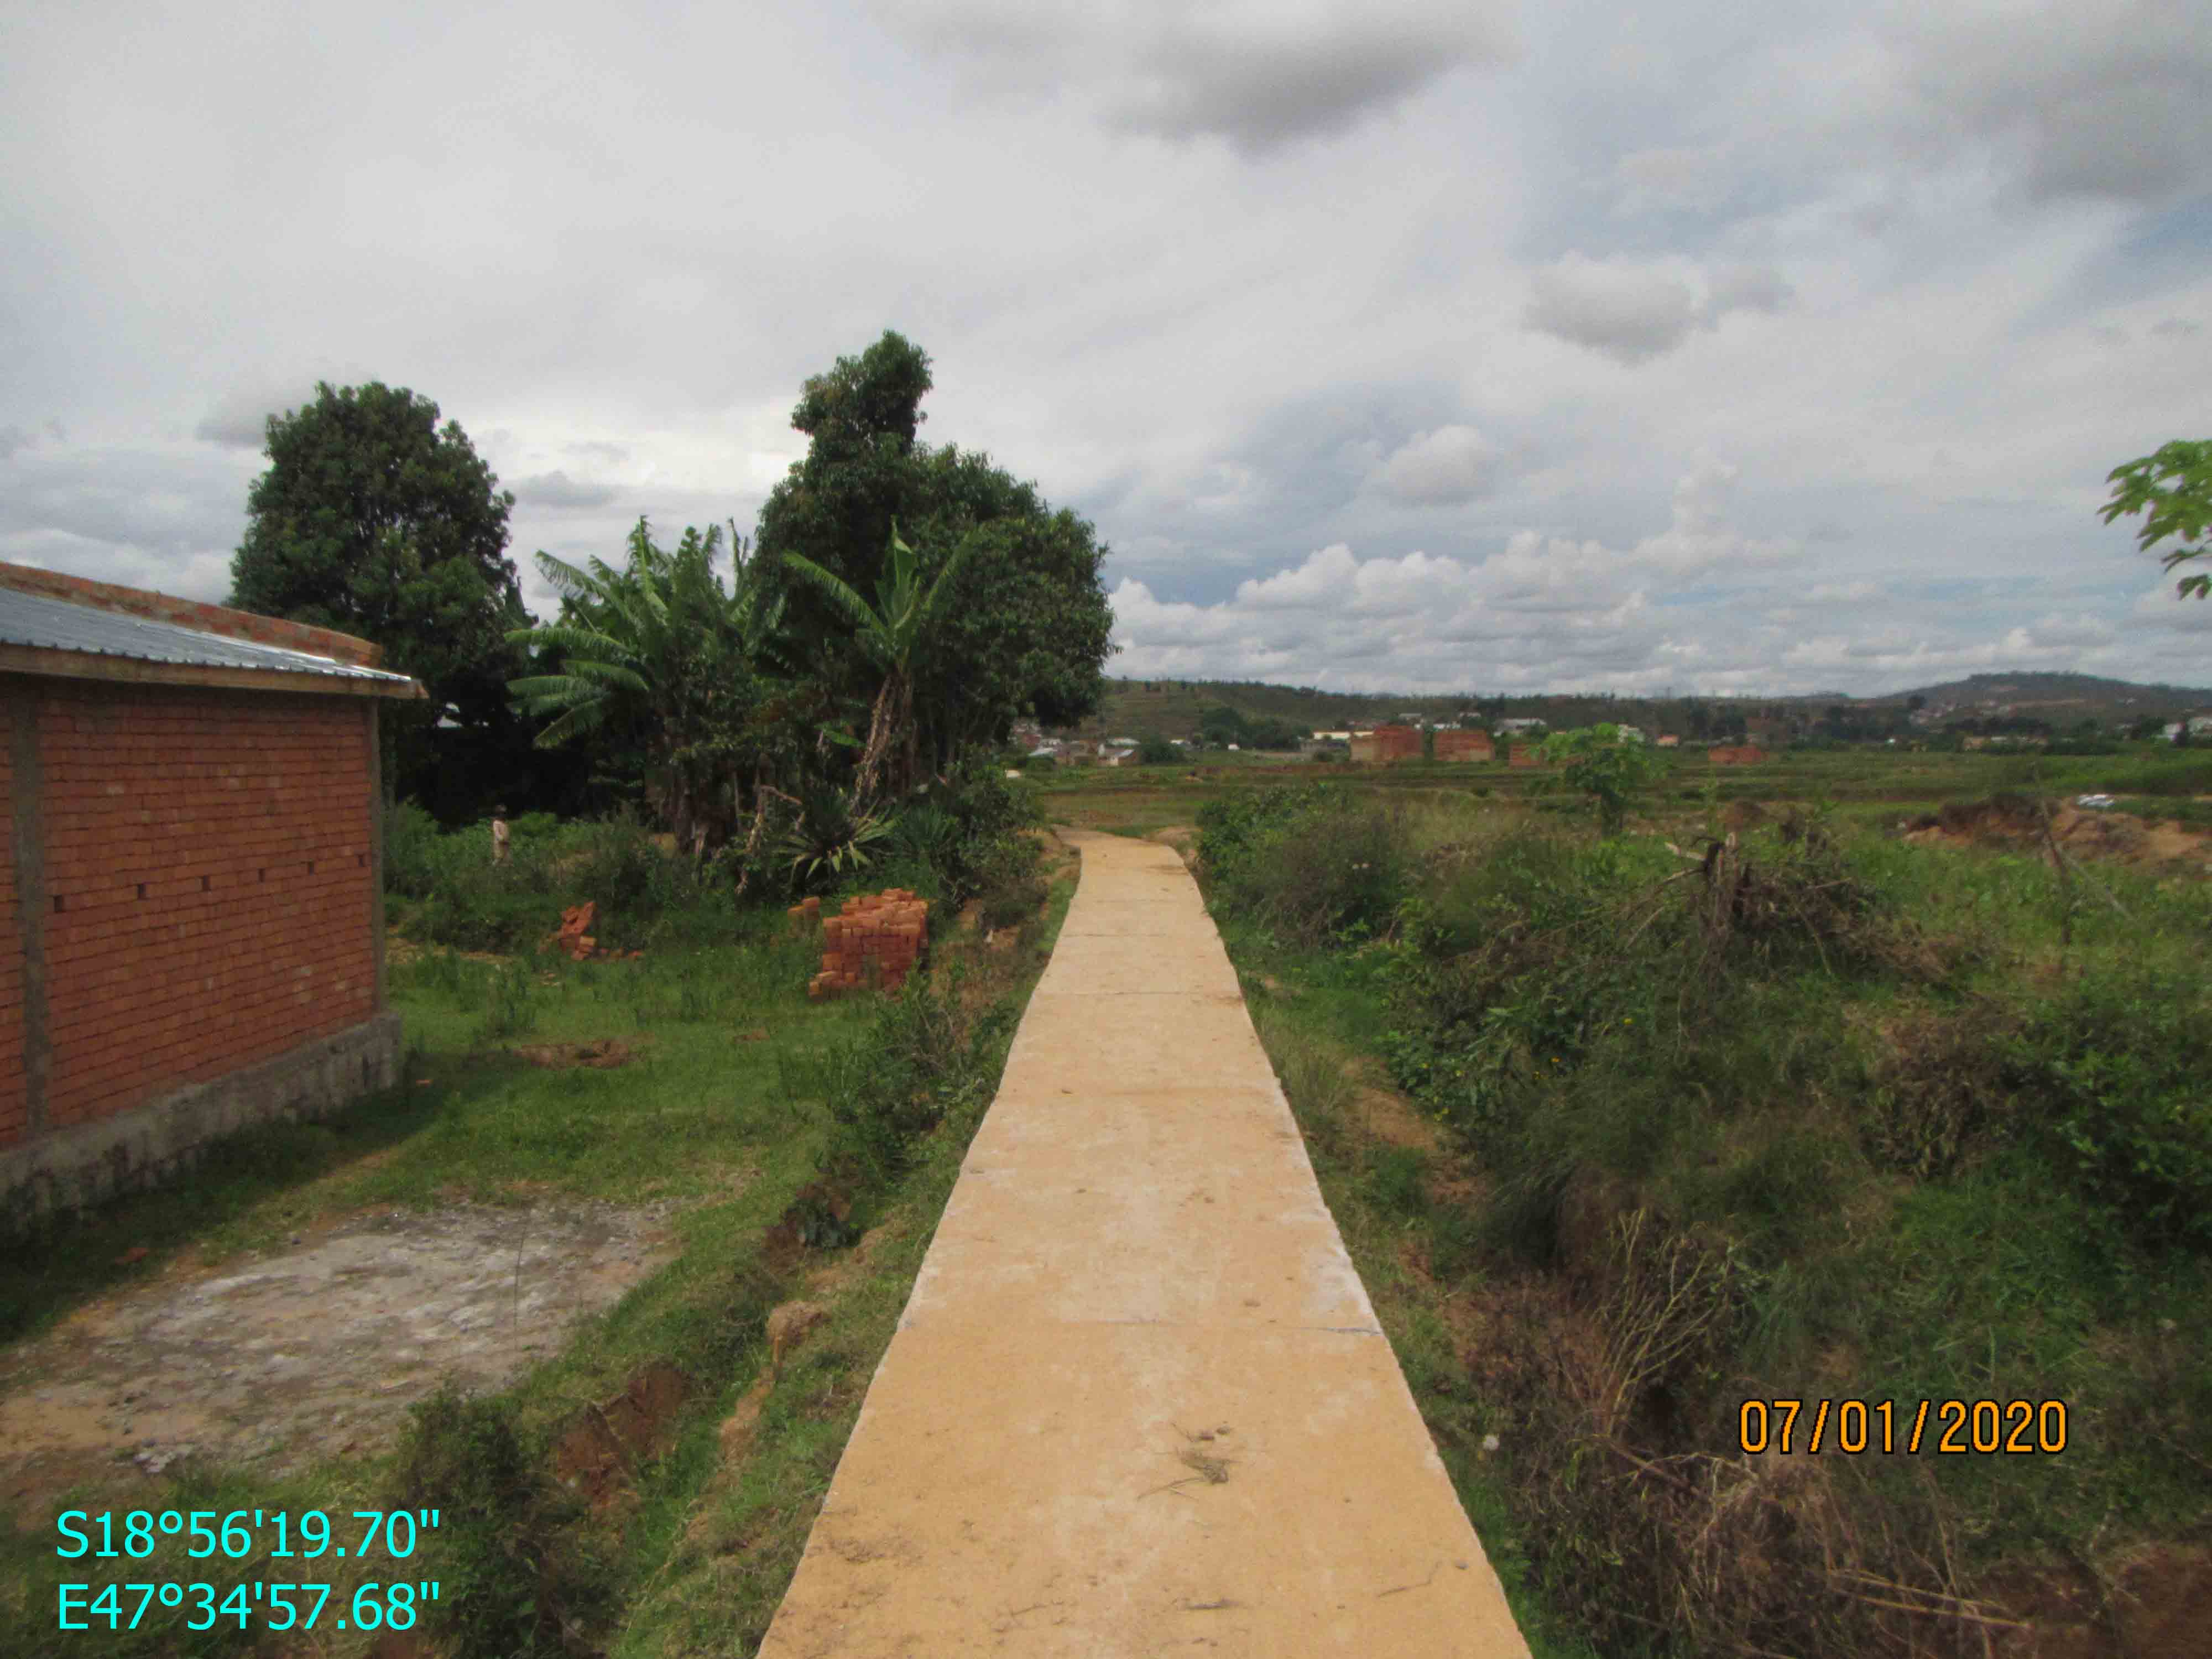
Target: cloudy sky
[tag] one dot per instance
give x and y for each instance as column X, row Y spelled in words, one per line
column 1442, row 344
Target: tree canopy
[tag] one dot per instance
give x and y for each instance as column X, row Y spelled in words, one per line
column 1024, row 625
column 372, row 519
column 2172, row 489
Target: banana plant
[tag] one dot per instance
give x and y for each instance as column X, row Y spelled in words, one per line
column 891, row 633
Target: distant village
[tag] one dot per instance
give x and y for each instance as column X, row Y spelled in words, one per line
column 1722, row 729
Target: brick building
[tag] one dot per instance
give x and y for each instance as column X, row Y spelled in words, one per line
column 191, row 907
column 1465, row 746
column 1386, row 744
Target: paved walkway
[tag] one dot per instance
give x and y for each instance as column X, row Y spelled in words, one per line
column 1139, row 1402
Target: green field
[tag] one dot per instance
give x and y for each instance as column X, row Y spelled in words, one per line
column 1864, row 785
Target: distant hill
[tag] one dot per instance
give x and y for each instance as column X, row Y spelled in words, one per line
column 2092, row 696
column 1141, row 708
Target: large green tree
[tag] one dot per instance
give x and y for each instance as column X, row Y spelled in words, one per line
column 373, row 520
column 2172, row 489
column 1023, row 627
column 660, row 658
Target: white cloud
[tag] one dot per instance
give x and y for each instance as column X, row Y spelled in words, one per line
column 1631, row 312
column 1577, row 611
column 1260, row 73
column 1634, row 311
column 558, row 491
column 2097, row 101
column 1449, row 465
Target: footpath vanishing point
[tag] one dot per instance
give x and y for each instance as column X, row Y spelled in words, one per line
column 1139, row 1401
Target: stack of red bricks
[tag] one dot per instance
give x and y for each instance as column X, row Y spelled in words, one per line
column 875, row 942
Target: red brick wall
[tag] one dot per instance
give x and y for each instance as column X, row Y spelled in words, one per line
column 14, row 1103
column 1397, row 743
column 1464, row 746
column 209, row 854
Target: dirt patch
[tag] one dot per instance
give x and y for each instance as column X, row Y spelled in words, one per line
column 277, row 1361
column 1392, row 1119
column 605, row 1054
column 2155, row 1605
column 600, row 1456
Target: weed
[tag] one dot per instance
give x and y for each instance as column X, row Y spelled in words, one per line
column 510, row 1002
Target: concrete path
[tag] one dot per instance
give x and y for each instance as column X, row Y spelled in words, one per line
column 1139, row 1402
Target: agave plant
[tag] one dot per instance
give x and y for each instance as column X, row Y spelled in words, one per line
column 832, row 835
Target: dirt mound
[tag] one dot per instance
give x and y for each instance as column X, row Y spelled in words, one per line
column 2015, row 823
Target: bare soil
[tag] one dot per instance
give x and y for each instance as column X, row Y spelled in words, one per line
column 2119, row 836
column 277, row 1361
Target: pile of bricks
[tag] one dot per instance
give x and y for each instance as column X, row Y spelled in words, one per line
column 575, row 940
column 876, row 941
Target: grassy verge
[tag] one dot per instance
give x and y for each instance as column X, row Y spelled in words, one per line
column 1373, row 1154
column 1822, row 1116
column 713, row 1561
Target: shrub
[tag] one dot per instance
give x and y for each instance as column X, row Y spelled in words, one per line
column 517, row 1569
column 1039, row 763
column 1307, row 862
column 971, row 829
column 2117, row 1071
column 1156, row 751
column 889, row 1086
column 412, row 866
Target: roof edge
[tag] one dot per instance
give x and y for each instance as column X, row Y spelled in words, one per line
column 48, row 663
column 190, row 613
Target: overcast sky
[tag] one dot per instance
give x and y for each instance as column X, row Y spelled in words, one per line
column 1436, row 344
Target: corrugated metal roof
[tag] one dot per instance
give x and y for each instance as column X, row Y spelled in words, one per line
column 54, row 625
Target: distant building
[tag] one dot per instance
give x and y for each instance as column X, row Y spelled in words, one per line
column 1465, row 746
column 1515, row 728
column 1668, row 740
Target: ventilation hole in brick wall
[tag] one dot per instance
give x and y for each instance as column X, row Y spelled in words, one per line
column 141, row 890
column 310, row 867
column 59, row 904
column 360, row 859
column 265, row 875
column 207, row 884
